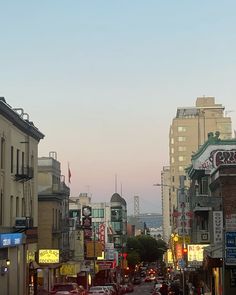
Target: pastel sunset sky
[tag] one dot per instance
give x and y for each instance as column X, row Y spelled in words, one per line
column 102, row 80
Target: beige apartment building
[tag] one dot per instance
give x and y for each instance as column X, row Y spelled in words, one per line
column 188, row 131
column 53, row 227
column 19, row 140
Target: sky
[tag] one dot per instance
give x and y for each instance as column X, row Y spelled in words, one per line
column 102, row 81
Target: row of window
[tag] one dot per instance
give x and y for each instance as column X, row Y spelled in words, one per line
column 180, row 149
column 179, row 139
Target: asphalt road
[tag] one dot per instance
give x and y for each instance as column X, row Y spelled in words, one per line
column 143, row 288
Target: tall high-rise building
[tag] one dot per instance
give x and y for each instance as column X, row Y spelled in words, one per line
column 188, row 131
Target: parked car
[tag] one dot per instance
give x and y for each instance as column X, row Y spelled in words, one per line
column 111, row 289
column 115, row 286
column 66, row 289
column 137, row 280
column 95, row 290
column 129, row 288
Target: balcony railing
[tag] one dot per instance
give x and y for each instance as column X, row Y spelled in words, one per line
column 24, row 174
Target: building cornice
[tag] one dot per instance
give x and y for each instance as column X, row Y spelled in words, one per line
column 25, row 126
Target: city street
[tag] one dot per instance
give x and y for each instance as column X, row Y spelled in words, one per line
column 143, row 288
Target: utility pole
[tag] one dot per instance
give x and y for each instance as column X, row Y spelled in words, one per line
column 94, row 254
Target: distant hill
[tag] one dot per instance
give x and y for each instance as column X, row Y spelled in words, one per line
column 152, row 220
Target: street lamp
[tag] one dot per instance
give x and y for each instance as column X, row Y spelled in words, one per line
column 182, row 200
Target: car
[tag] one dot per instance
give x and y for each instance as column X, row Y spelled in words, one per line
column 115, row 287
column 111, row 289
column 66, row 289
column 150, row 278
column 130, row 288
column 137, row 280
column 95, row 290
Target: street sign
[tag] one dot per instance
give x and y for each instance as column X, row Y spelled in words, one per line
column 181, row 263
column 230, row 239
column 231, row 256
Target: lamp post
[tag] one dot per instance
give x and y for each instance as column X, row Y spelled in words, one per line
column 182, row 200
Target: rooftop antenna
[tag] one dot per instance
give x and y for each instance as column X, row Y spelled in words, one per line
column 115, row 183
column 121, row 192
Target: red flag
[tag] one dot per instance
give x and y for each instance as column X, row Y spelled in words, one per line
column 69, row 173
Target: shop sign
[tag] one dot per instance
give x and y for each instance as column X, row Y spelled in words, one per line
column 178, row 248
column 30, row 256
column 105, row 264
column 86, row 211
column 11, row 240
column 218, row 226
column 68, row 270
column 169, row 256
column 87, row 222
column 195, row 253
column 93, row 249
column 49, row 256
column 110, row 254
column 109, row 246
column 230, row 239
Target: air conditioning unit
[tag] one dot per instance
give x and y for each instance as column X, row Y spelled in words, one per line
column 203, row 237
column 23, row 222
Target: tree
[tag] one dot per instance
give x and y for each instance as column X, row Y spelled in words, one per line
column 133, row 258
column 148, row 248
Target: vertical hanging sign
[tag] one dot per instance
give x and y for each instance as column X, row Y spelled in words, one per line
column 218, row 227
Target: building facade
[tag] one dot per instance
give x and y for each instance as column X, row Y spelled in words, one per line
column 18, row 199
column 212, row 201
column 53, row 227
column 166, row 202
column 188, row 132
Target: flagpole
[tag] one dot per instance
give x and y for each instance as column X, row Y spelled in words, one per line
column 69, row 174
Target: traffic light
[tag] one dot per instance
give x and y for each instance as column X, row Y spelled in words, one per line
column 185, row 254
column 185, row 251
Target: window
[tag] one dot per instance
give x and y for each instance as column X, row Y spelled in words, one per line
column 204, row 186
column 17, row 160
column 181, row 168
column 11, row 209
column 172, row 140
column 181, row 158
column 172, row 150
column 116, row 214
column 182, row 129
column 172, row 160
column 53, row 219
column 17, row 206
column 2, row 153
column 1, row 208
column 12, row 158
column 22, row 161
column 23, row 206
column 182, row 148
column 98, row 213
column 116, row 226
column 181, row 138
